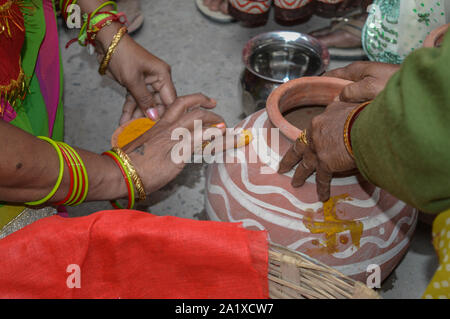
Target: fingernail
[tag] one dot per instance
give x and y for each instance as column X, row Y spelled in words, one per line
column 220, row 125
column 152, row 113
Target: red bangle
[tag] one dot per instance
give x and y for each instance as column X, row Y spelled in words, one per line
column 349, row 124
column 124, row 174
column 69, row 165
column 80, row 175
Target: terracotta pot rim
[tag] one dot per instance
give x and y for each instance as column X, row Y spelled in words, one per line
column 430, row 41
column 273, row 108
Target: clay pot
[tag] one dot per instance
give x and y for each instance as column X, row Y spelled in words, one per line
column 435, row 38
column 250, row 13
column 289, row 12
column 329, row 8
column 362, row 224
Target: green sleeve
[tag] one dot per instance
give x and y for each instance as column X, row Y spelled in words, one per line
column 401, row 141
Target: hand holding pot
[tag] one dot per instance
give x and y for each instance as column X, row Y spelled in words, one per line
column 321, row 150
column 370, row 79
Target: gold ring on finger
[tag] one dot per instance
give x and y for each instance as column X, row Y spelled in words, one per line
column 303, row 137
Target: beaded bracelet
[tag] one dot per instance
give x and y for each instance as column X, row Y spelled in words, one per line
column 86, row 29
column 60, row 176
column 128, row 181
column 100, row 21
column 349, row 124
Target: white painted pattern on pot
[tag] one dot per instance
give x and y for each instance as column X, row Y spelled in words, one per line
column 291, row 4
column 238, row 193
column 251, row 7
column 330, row 1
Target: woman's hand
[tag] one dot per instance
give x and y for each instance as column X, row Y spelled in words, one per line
column 152, row 155
column 147, row 78
column 325, row 153
column 370, row 79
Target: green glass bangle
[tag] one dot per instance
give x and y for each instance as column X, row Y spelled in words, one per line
column 77, row 190
column 76, row 173
column 60, row 176
column 86, row 178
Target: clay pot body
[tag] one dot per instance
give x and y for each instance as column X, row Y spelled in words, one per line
column 250, row 13
column 289, row 12
column 362, row 225
column 329, row 8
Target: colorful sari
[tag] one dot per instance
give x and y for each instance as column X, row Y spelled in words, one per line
column 41, row 112
column 439, row 287
column 395, row 28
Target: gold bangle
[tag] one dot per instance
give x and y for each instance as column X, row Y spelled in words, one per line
column 348, row 125
column 133, row 173
column 112, row 48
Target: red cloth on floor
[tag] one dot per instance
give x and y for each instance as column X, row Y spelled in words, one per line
column 130, row 254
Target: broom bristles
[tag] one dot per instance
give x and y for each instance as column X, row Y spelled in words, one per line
column 293, row 275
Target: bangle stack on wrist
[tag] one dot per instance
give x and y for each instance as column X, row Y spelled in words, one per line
column 130, row 175
column 79, row 180
column 349, row 124
column 94, row 22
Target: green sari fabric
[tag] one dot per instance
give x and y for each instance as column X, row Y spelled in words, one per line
column 33, row 115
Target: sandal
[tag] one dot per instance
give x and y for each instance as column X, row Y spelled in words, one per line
column 216, row 16
column 133, row 11
column 343, row 37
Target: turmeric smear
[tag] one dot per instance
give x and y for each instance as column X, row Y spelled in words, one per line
column 331, row 226
column 134, row 130
column 245, row 138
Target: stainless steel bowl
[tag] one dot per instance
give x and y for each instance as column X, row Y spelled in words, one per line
column 274, row 58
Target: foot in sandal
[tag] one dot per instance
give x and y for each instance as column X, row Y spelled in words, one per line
column 133, row 11
column 343, row 37
column 344, row 33
column 217, row 5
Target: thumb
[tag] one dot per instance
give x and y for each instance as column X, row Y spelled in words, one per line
column 361, row 91
column 144, row 100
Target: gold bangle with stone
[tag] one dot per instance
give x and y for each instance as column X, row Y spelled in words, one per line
column 112, row 48
column 349, row 124
column 133, row 173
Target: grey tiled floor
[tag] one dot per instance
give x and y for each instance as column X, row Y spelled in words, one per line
column 205, row 57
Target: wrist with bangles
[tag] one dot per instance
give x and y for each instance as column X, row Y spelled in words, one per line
column 94, row 22
column 130, row 175
column 79, row 180
column 349, row 125
column 111, row 49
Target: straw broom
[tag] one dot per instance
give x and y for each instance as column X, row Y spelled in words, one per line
column 293, row 275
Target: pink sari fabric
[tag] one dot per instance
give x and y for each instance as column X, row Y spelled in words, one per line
column 48, row 65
